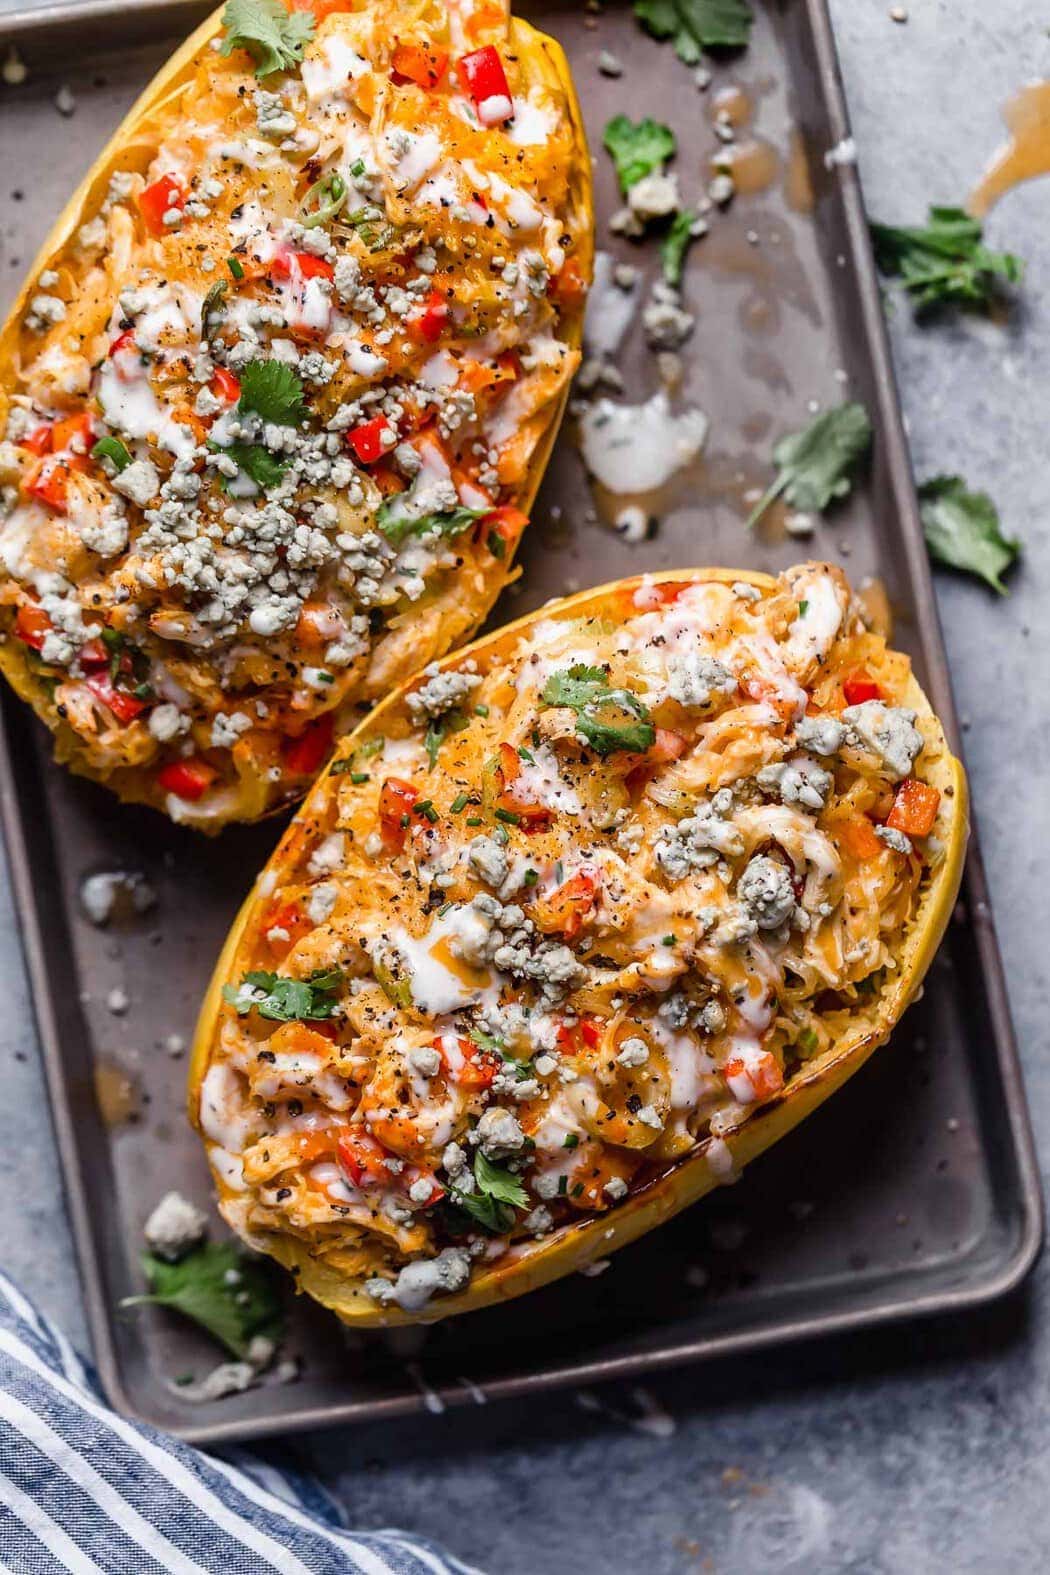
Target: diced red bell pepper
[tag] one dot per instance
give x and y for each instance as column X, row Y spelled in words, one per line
column 858, row 834
column 397, row 799
column 304, row 756
column 31, row 625
column 568, row 288
column 429, row 322
column 124, row 706
column 166, row 193
column 304, row 264
column 763, row 1075
column 860, row 686
column 362, row 1158
column 486, row 82
column 586, row 1031
column 289, row 917
column 474, row 1067
column 319, row 9
column 38, row 441
column 368, row 442
column 419, row 63
column 225, row 386
column 567, row 909
column 502, row 529
column 189, row 779
column 914, row 809
column 48, row 482
column 93, row 654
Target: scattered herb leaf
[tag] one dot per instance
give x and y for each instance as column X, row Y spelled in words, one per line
column 220, row 1288
column 272, row 390
column 676, row 242
column 284, row 1000
column 272, row 35
column 450, row 523
column 586, row 691
column 817, row 464
column 963, row 530
column 637, row 150
column 265, row 469
column 944, row 263
column 696, row 25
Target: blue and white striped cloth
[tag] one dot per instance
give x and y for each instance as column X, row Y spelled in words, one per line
column 83, row 1489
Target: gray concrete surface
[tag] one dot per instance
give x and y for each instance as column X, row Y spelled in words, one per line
column 925, row 1449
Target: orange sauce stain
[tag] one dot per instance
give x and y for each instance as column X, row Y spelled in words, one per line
column 116, row 1094
column 1025, row 156
column 753, row 164
column 798, row 184
column 473, row 978
column 731, row 104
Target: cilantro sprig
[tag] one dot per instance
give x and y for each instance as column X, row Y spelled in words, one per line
column 962, row 530
column 265, row 469
column 272, row 35
column 451, row 522
column 817, row 464
column 272, row 390
column 637, row 150
column 586, row 690
column 284, row 1000
column 945, row 262
column 677, row 240
column 498, row 1193
column 219, row 1287
column 696, row 25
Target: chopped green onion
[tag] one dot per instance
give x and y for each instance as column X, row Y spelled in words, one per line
column 357, row 168
column 323, row 201
column 510, row 816
column 481, row 710
column 235, row 267
column 459, row 803
column 113, row 449
column 357, row 777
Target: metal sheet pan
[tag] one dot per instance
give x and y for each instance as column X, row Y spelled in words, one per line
column 916, row 1189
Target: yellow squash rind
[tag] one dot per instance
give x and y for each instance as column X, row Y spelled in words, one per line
column 530, row 1265
column 460, row 618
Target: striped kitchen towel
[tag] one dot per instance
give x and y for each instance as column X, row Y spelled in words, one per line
column 83, row 1489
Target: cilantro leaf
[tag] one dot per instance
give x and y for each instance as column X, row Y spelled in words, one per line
column 492, row 1215
column 695, row 25
column 962, row 530
column 219, row 1287
column 284, row 1000
column 586, row 691
column 816, row 464
column 272, row 35
column 637, row 150
column 944, row 263
column 273, row 391
column 265, row 469
column 439, row 730
column 676, row 242
column 498, row 1183
column 575, row 686
column 450, row 523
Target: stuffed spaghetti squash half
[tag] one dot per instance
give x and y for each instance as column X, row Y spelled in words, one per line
column 575, row 925
column 281, row 387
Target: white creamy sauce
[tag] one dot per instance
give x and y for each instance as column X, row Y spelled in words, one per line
column 436, row 989
column 329, row 65
column 610, row 310
column 539, row 782
column 532, row 124
column 813, row 632
column 223, row 1117
column 18, row 530
column 409, row 164
column 132, row 408
column 230, row 1167
column 636, row 448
